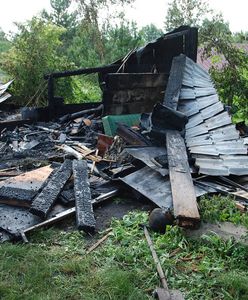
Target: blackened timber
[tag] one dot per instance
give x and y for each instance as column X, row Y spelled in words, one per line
column 20, row 190
column 84, row 211
column 79, row 114
column 175, row 82
column 44, row 201
column 131, row 136
column 183, row 192
column 84, row 71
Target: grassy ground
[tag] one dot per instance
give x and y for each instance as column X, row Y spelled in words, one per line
column 55, row 264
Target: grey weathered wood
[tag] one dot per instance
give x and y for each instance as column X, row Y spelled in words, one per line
column 84, row 211
column 182, row 188
column 183, row 192
column 175, row 82
column 44, row 201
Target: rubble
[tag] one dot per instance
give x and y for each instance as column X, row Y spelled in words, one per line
column 160, row 134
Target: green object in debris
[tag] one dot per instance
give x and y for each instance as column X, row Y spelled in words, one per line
column 110, row 123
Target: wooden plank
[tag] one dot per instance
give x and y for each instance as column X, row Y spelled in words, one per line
column 175, row 82
column 183, row 192
column 44, row 201
column 182, row 188
column 84, row 210
column 20, row 190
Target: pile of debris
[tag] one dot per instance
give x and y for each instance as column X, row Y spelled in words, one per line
column 161, row 135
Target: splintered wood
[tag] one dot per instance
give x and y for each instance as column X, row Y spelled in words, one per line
column 44, row 201
column 183, row 191
column 84, row 210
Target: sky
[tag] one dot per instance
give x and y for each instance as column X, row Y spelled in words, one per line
column 143, row 12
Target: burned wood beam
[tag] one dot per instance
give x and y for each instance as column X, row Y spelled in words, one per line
column 10, row 125
column 182, row 188
column 175, row 82
column 131, row 136
column 79, row 114
column 84, row 71
column 44, row 201
column 84, row 211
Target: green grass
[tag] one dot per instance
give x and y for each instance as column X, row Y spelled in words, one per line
column 55, row 264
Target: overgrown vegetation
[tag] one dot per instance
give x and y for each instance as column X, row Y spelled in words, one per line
column 55, row 265
column 81, row 33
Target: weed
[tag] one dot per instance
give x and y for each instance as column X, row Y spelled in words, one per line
column 219, row 208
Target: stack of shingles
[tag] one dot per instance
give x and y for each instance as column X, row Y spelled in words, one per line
column 211, row 137
column 3, row 88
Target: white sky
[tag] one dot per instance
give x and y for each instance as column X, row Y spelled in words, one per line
column 143, row 12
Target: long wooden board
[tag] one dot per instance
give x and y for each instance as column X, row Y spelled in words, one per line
column 183, row 191
column 182, row 188
column 84, row 209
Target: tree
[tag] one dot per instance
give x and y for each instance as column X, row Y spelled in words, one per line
column 241, row 37
column 5, row 44
column 90, row 12
column 186, row 12
column 231, row 76
column 34, row 52
column 61, row 16
column 150, row 33
column 120, row 39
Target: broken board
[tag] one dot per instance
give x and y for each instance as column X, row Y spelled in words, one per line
column 44, row 201
column 84, row 210
column 20, row 190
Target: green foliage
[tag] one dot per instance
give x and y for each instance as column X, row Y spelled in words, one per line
column 61, row 16
column 186, row 12
column 120, row 39
column 214, row 30
column 33, row 54
column 150, row 33
column 240, row 37
column 230, row 73
column 84, row 90
column 237, row 285
column 5, row 44
column 85, row 50
column 222, row 209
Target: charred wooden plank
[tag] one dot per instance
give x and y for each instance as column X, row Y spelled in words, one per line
column 131, row 136
column 21, row 190
column 84, row 211
column 183, row 192
column 175, row 82
column 44, row 201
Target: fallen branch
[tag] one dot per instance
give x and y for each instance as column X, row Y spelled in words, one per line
column 99, row 242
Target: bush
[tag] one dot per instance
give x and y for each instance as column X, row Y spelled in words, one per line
column 34, row 52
